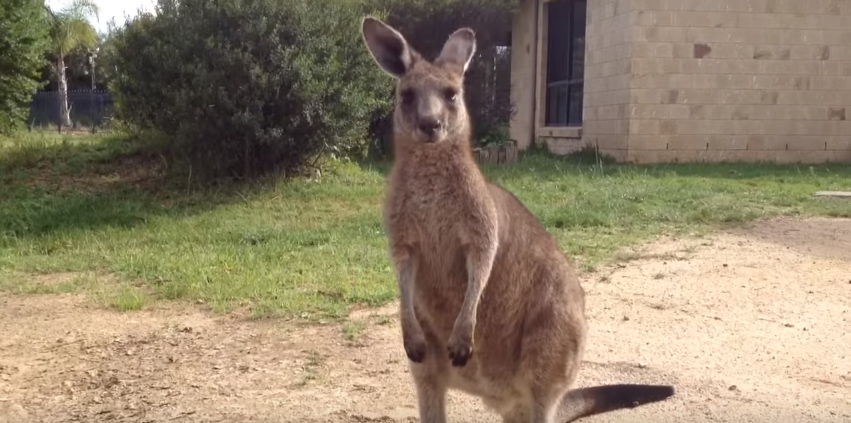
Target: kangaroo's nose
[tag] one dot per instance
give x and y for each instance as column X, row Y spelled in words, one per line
column 429, row 126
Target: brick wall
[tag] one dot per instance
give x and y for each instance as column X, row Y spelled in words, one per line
column 608, row 67
column 738, row 80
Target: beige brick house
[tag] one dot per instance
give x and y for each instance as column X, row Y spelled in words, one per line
column 684, row 80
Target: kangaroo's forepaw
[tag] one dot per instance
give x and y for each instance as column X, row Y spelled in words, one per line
column 415, row 348
column 460, row 351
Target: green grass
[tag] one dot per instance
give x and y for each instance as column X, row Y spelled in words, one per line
column 353, row 329
column 129, row 298
column 312, row 249
column 23, row 283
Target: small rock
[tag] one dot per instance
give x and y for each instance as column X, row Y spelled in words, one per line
column 625, row 318
column 733, row 388
column 129, row 352
column 111, row 381
column 789, row 325
column 725, row 264
column 97, row 400
column 4, row 377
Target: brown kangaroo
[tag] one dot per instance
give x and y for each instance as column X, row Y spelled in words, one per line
column 489, row 304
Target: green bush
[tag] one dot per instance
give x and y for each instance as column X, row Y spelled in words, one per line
column 23, row 41
column 246, row 87
column 494, row 136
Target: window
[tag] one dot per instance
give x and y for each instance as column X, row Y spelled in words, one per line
column 565, row 62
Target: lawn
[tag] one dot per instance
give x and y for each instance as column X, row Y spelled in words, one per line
column 130, row 232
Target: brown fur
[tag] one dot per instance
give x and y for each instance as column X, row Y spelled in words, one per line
column 489, row 303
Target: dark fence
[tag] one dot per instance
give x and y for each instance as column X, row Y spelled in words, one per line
column 87, row 108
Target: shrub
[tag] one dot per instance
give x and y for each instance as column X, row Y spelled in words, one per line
column 249, row 86
column 23, row 41
column 494, row 135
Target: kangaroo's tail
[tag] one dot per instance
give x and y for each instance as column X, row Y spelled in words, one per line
column 583, row 402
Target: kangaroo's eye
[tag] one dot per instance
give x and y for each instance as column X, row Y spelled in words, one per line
column 408, row 97
column 450, row 94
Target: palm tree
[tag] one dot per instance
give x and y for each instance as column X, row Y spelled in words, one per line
column 69, row 30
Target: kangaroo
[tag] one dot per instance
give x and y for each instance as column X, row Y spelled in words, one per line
column 489, row 305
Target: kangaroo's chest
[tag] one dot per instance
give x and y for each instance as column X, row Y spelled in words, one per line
column 431, row 216
column 433, row 205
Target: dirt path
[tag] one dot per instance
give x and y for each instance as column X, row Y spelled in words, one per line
column 752, row 325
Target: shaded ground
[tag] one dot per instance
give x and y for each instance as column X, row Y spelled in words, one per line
column 750, row 325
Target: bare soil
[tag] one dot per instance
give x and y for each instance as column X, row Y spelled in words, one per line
column 750, row 325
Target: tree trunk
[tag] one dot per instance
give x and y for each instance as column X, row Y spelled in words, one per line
column 64, row 110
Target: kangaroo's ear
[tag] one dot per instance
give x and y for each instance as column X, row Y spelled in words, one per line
column 387, row 46
column 459, row 49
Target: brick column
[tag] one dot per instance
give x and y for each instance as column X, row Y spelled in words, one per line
column 609, row 44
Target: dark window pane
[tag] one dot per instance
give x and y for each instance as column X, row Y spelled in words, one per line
column 565, row 62
column 558, row 107
column 577, row 60
column 552, row 106
column 563, row 104
column 558, row 39
column 575, row 111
